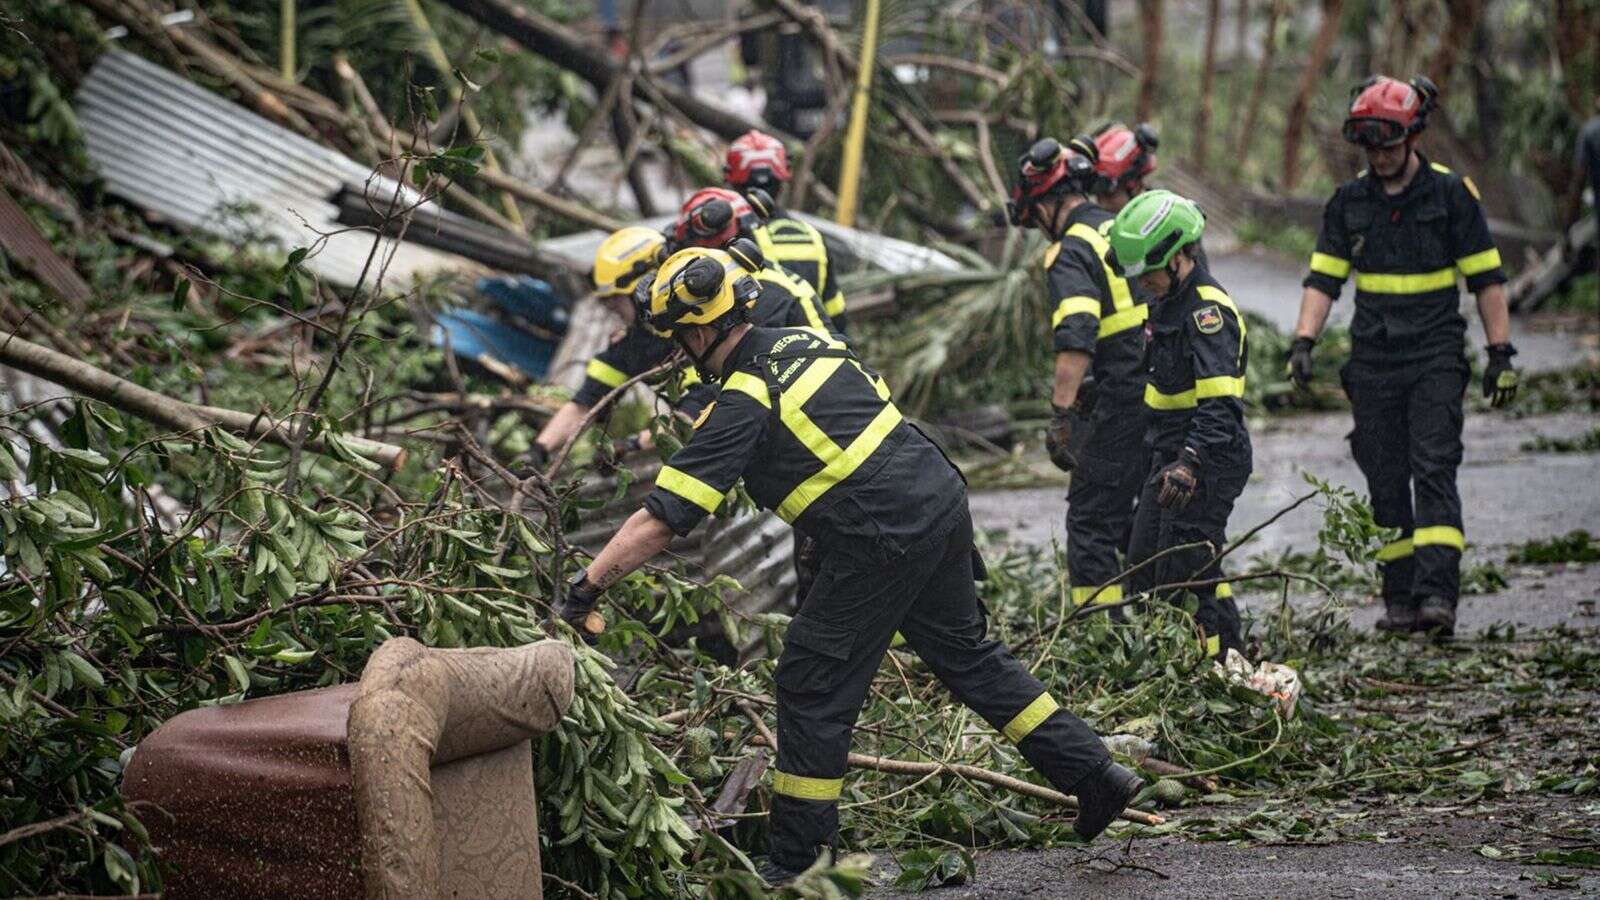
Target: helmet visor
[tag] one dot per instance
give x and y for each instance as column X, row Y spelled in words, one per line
column 1374, row 132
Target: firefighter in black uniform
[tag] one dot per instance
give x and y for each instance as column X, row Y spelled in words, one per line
column 816, row 438
column 1200, row 449
column 1407, row 227
column 711, row 218
column 1098, row 391
column 759, row 162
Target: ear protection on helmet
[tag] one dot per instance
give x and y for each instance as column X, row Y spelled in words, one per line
column 749, row 256
column 761, row 202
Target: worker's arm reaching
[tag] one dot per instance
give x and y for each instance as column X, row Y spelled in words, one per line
column 1330, row 267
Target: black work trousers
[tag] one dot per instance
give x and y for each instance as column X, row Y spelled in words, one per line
column 1204, row 522
column 1407, row 442
column 833, row 648
column 1101, row 499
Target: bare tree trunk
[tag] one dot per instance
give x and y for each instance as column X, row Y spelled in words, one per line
column 1463, row 20
column 1208, row 71
column 1150, row 28
column 1241, row 33
column 1309, row 76
column 1574, row 26
column 1252, row 109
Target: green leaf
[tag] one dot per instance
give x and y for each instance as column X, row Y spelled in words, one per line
column 180, row 295
column 294, row 657
column 237, row 671
column 8, row 463
column 82, row 671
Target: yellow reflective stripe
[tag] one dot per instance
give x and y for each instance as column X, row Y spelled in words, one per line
column 1157, row 400
column 834, row 306
column 1121, row 296
column 1213, row 645
column 605, row 373
column 704, row 415
column 750, row 386
column 1031, row 717
column 1072, row 306
column 1479, row 263
column 797, row 288
column 1207, row 292
column 689, row 376
column 1439, row 536
column 689, row 488
column 839, row 466
column 1331, row 266
column 1224, row 591
column 1050, row 254
column 1118, row 322
column 1219, row 386
column 1111, row 593
column 1394, row 550
column 803, row 788
column 1420, row 283
column 1440, row 167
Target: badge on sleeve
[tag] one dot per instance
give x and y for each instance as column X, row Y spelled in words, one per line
column 1208, row 319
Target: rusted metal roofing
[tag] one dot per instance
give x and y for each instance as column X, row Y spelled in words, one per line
column 202, row 162
column 21, row 240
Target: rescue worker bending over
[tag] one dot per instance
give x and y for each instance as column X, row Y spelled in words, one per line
column 817, row 439
column 1407, row 227
column 759, row 161
column 1127, row 157
column 624, row 257
column 1098, row 392
column 1200, row 450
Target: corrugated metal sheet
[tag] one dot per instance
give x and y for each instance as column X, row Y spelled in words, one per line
column 849, row 245
column 168, row 145
column 20, row 238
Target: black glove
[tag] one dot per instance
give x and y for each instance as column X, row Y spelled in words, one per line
column 1058, row 438
column 1179, row 480
column 576, row 604
column 1499, row 379
column 1299, row 366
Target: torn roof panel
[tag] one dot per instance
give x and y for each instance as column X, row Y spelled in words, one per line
column 202, row 162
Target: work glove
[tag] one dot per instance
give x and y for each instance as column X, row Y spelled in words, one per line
column 1299, row 366
column 1058, row 439
column 576, row 606
column 1179, row 480
column 1499, row 379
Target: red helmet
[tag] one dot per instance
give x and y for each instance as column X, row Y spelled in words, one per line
column 756, row 157
column 1384, row 112
column 1048, row 169
column 712, row 218
column 1125, row 154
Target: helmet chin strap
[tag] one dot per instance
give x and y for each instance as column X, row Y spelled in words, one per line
column 703, row 361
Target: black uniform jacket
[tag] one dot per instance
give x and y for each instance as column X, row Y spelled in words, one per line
column 785, row 301
column 1406, row 251
column 1196, row 364
column 817, row 439
column 1096, row 312
column 798, row 247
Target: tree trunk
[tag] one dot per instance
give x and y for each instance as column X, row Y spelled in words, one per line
column 1318, row 58
column 1150, row 28
column 1241, row 34
column 1208, row 70
column 1463, row 20
column 1574, row 25
column 1252, row 109
column 562, row 46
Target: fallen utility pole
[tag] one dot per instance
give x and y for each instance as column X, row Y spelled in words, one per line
column 123, row 394
column 559, row 44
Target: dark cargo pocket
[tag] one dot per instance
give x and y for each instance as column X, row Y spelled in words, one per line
column 813, row 653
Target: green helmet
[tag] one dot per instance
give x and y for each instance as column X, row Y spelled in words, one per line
column 1151, row 228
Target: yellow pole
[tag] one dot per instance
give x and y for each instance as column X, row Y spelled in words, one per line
column 855, row 138
column 286, row 39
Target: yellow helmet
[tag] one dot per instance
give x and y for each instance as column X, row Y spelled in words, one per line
column 624, row 256
column 699, row 286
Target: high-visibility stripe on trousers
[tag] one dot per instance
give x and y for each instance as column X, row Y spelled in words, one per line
column 1100, row 501
column 832, row 651
column 1407, row 442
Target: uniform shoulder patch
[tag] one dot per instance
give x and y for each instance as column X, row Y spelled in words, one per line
column 704, row 414
column 1471, row 188
column 1208, row 319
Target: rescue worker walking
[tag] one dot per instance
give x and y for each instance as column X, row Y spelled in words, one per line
column 1127, row 157
column 1200, row 453
column 1407, row 226
column 816, row 438
column 1098, row 337
column 759, row 161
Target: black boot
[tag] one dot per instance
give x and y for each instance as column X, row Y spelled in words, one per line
column 1102, row 796
column 1437, row 617
column 1399, row 616
column 775, row 875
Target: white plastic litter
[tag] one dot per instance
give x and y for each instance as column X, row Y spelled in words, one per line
column 1275, row 680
